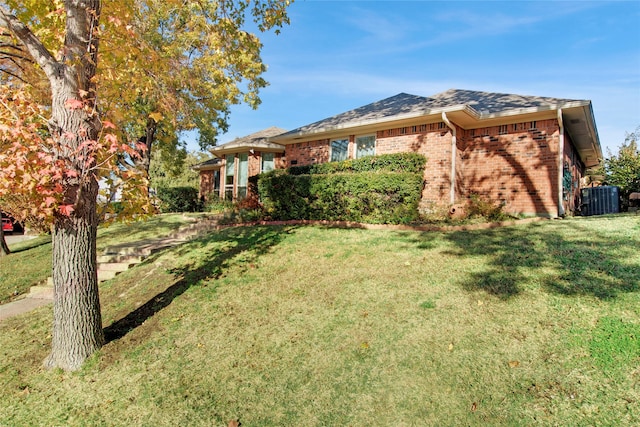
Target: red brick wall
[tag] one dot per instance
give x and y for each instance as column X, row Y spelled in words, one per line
column 512, row 164
column 307, row 153
column 254, row 164
column 434, row 142
column 206, row 183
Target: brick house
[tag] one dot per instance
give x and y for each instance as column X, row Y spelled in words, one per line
column 527, row 152
column 226, row 175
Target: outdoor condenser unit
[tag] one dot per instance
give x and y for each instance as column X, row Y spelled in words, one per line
column 600, row 200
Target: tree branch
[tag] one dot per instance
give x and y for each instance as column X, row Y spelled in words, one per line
column 36, row 49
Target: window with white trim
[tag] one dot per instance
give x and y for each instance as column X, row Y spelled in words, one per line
column 339, row 149
column 243, row 175
column 268, row 162
column 230, row 169
column 365, row 146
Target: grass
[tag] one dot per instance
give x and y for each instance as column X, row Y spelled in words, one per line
column 30, row 261
column 535, row 324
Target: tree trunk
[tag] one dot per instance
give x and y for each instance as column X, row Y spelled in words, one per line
column 144, row 161
column 77, row 322
column 4, row 248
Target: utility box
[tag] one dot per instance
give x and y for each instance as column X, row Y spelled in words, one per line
column 600, row 200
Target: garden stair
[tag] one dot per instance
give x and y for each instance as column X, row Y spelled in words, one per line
column 119, row 258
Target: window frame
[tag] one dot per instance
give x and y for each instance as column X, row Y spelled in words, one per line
column 273, row 162
column 242, row 182
column 230, row 166
column 375, row 143
column 346, row 148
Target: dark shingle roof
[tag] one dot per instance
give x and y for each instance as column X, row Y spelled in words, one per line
column 492, row 103
column 404, row 104
column 207, row 164
column 254, row 138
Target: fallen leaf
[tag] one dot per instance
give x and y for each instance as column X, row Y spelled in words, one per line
column 450, row 346
column 474, row 407
column 234, row 423
column 514, row 363
column 480, row 302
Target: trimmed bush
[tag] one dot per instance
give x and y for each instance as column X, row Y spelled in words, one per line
column 179, row 199
column 377, row 189
column 400, row 162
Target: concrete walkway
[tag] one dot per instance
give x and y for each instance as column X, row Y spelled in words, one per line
column 133, row 253
column 20, row 306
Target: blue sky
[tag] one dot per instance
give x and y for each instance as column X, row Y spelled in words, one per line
column 339, row 55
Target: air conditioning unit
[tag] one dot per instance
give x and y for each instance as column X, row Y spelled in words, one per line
column 600, row 200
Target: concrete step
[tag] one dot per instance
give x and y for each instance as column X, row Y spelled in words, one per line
column 41, row 291
column 104, row 275
column 115, row 266
column 129, row 259
column 142, row 250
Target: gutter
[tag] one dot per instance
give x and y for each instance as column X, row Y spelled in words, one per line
column 561, row 211
column 452, row 191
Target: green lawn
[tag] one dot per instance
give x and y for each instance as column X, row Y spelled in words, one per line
column 535, row 324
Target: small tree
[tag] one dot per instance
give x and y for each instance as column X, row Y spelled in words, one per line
column 623, row 169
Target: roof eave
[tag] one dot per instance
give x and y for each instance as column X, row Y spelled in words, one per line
column 435, row 113
column 263, row 146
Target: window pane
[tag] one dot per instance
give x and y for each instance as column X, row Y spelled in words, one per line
column 339, row 150
column 365, row 146
column 229, row 174
column 268, row 162
column 243, row 169
column 243, row 175
column 230, row 160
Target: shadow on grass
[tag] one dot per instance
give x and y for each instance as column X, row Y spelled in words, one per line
column 568, row 258
column 230, row 246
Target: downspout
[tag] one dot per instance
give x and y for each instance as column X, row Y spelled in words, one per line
column 454, row 147
column 561, row 211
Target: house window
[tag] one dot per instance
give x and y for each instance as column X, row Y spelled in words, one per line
column 243, row 175
column 268, row 162
column 229, row 176
column 502, row 130
column 216, row 183
column 365, row 146
column 339, row 149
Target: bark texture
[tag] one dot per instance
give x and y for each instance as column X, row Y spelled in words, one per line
column 4, row 249
column 77, row 321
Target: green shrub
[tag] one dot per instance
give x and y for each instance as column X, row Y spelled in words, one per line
column 377, row 189
column 217, row 205
column 399, row 162
column 481, row 207
column 179, row 199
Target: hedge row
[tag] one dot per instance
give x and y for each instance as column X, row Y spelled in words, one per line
column 383, row 189
column 179, row 199
column 400, row 162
